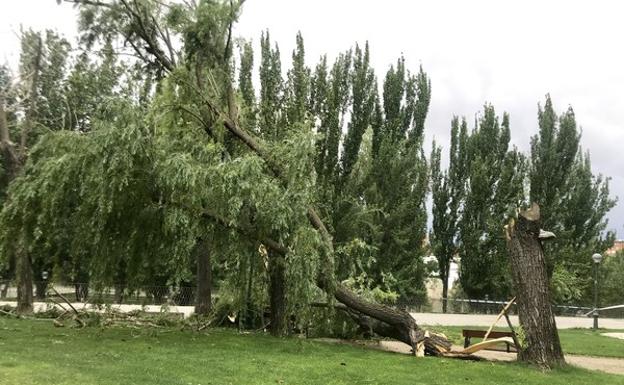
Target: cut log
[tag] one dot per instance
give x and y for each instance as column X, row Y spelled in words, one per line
column 541, row 345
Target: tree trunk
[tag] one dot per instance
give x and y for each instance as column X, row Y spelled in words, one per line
column 249, row 318
column 40, row 289
column 81, row 290
column 5, row 290
column 13, row 164
column 203, row 301
column 444, row 293
column 400, row 324
column 541, row 345
column 277, row 294
column 24, row 283
column 118, row 294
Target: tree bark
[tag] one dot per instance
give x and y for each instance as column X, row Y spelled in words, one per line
column 444, row 294
column 541, row 345
column 24, row 283
column 118, row 294
column 434, row 344
column 203, row 301
column 277, row 294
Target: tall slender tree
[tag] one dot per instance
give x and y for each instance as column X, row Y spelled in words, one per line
column 495, row 187
column 573, row 200
column 448, row 190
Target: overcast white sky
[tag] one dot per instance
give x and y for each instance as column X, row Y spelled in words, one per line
column 508, row 53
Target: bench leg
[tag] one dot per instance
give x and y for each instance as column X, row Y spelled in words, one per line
column 466, row 342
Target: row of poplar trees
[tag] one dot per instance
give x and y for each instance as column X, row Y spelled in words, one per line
column 486, row 180
column 121, row 172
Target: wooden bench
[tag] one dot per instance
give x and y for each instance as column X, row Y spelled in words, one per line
column 468, row 334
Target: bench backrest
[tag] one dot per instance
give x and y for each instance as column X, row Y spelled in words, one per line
column 481, row 333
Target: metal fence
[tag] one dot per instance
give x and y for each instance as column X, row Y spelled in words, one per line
column 486, row 306
column 185, row 296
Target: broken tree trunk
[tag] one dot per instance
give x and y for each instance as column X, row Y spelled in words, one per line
column 541, row 345
column 383, row 320
column 433, row 344
column 401, row 322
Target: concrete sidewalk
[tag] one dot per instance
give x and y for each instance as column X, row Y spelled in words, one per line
column 186, row 311
column 487, row 320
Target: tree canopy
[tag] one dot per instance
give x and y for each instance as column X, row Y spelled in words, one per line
column 150, row 145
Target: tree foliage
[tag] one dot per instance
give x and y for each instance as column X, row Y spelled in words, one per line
column 448, row 192
column 129, row 166
column 574, row 200
column 495, row 187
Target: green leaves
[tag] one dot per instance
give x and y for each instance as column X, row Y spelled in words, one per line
column 494, row 188
column 574, row 202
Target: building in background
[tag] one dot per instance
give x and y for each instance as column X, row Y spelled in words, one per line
column 617, row 246
column 434, row 283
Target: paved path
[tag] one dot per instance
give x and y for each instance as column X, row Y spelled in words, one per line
column 486, row 320
column 604, row 364
column 186, row 311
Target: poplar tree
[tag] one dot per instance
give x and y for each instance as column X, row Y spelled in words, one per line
column 573, row 200
column 399, row 181
column 494, row 189
column 448, row 191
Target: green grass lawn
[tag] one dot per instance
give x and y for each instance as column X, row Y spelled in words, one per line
column 573, row 341
column 35, row 352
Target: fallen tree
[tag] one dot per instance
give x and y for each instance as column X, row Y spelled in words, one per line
column 383, row 320
column 221, row 108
